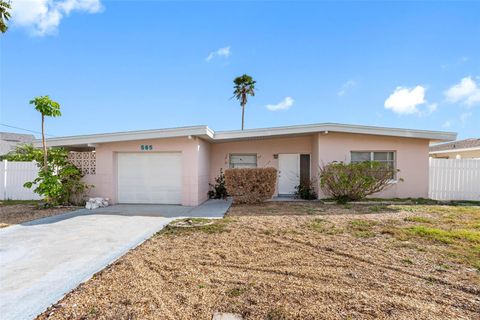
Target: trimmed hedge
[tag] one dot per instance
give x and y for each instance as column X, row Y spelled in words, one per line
column 251, row 185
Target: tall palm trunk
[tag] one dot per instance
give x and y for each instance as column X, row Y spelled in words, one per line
column 45, row 158
column 243, row 115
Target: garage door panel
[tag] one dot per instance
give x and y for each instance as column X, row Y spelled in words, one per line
column 149, row 178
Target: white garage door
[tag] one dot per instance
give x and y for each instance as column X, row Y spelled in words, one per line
column 149, row 178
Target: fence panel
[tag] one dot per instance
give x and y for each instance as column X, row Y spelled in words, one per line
column 13, row 174
column 454, row 179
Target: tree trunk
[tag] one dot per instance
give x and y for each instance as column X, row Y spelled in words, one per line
column 243, row 115
column 45, row 157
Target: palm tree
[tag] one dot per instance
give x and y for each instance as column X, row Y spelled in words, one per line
column 4, row 15
column 244, row 86
column 48, row 108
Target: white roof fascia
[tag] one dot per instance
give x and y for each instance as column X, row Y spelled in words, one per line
column 455, row 150
column 334, row 127
column 127, row 136
column 222, row 136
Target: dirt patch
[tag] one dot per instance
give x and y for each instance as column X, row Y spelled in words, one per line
column 19, row 213
column 329, row 266
column 277, row 208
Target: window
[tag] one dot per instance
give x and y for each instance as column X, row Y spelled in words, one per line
column 243, row 161
column 387, row 157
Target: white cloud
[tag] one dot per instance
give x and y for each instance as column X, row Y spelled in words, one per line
column 222, row 52
column 447, row 124
column 466, row 91
column 346, row 86
column 431, row 107
column 464, row 117
column 285, row 104
column 42, row 17
column 408, row 100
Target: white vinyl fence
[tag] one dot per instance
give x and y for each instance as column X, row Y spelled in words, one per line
column 454, row 179
column 13, row 174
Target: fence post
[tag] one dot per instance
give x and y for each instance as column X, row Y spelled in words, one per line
column 5, row 163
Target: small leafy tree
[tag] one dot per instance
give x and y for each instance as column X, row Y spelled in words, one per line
column 61, row 183
column 244, row 87
column 47, row 107
column 355, row 181
column 218, row 190
column 4, row 15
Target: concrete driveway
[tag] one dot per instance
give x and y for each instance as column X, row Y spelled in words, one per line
column 42, row 260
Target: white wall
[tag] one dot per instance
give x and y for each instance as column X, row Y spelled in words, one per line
column 13, row 174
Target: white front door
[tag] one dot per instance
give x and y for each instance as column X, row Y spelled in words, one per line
column 288, row 173
column 149, row 178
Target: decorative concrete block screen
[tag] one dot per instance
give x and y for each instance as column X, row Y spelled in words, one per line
column 454, row 179
column 85, row 161
column 13, row 174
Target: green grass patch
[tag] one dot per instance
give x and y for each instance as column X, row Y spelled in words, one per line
column 377, row 208
column 236, row 292
column 362, row 225
column 450, row 231
column 445, row 236
column 418, row 219
column 362, row 228
column 323, row 226
column 364, row 234
column 213, row 226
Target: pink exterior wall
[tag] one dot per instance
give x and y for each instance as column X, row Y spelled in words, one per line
column 314, row 161
column 201, row 160
column 265, row 149
column 411, row 156
column 105, row 179
column 204, row 152
column 411, row 159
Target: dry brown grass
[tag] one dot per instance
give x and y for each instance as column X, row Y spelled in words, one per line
column 325, row 262
column 15, row 212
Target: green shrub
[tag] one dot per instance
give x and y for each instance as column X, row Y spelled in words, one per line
column 61, row 183
column 306, row 190
column 251, row 185
column 218, row 189
column 354, row 181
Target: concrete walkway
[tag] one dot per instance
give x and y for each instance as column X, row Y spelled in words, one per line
column 42, row 260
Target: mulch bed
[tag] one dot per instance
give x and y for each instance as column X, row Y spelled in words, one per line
column 278, row 267
column 19, row 213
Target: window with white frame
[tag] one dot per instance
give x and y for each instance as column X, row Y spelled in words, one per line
column 243, row 160
column 386, row 157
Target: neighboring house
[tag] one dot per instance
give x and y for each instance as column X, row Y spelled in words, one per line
column 175, row 166
column 9, row 140
column 461, row 149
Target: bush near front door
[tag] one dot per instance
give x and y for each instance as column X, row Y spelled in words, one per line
column 251, row 185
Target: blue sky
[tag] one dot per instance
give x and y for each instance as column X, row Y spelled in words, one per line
column 131, row 65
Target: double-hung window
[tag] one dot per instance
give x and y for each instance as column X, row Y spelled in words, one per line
column 248, row 160
column 386, row 157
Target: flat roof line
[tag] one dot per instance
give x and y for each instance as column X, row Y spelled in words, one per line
column 207, row 133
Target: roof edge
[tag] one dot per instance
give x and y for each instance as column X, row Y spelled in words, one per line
column 207, row 133
column 454, row 150
column 202, row 130
column 336, row 127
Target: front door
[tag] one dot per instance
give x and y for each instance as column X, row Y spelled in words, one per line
column 288, row 173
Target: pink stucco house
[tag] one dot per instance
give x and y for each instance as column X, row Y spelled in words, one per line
column 175, row 166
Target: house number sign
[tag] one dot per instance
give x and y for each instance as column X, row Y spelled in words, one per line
column 146, row 147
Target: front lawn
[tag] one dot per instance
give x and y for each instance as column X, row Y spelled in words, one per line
column 297, row 261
